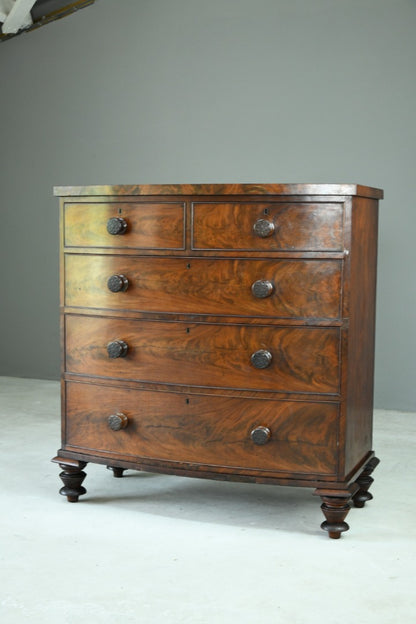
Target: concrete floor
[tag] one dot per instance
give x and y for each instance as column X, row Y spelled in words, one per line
column 155, row 549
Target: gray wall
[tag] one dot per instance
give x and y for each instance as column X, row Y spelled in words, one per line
column 171, row 91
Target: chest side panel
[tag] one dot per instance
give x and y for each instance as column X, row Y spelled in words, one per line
column 361, row 332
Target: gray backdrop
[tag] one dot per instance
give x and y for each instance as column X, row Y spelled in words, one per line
column 175, row 91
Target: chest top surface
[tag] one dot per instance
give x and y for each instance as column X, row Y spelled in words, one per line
column 221, row 189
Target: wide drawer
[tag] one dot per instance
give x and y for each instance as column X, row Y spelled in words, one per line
column 273, row 288
column 268, row 227
column 300, row 359
column 211, row 431
column 149, row 225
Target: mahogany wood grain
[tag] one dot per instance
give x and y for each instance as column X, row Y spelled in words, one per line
column 305, row 359
column 361, row 335
column 297, row 226
column 150, row 225
column 238, row 474
column 206, row 286
column 218, row 189
column 205, row 430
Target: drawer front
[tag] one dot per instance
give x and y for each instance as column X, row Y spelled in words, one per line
column 292, row 359
column 149, row 225
column 282, row 288
column 212, row 431
column 268, row 227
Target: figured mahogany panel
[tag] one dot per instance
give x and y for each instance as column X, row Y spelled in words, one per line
column 201, row 429
column 304, row 359
column 294, row 226
column 150, row 225
column 299, row 288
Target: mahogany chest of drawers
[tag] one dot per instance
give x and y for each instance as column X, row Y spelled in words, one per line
column 221, row 331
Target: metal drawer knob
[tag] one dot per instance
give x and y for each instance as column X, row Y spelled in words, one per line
column 117, row 283
column 117, row 349
column 261, row 358
column 263, row 228
column 117, row 421
column 262, row 289
column 116, row 225
column 261, row 435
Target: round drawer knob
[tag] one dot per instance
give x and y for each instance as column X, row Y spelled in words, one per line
column 263, row 228
column 116, row 225
column 261, row 358
column 117, row 421
column 117, row 349
column 262, row 289
column 260, row 435
column 117, row 283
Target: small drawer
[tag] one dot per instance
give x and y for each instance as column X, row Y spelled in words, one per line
column 280, row 359
column 264, row 288
column 203, row 430
column 149, row 225
column 267, row 227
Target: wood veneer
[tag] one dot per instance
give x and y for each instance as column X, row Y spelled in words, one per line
column 301, row 289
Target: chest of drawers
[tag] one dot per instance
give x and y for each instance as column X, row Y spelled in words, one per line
column 221, row 331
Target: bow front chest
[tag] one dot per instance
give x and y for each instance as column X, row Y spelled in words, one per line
column 221, row 331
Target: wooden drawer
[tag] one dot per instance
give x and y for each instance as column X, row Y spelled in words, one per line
column 294, row 226
column 211, row 431
column 299, row 288
column 303, row 359
column 149, row 225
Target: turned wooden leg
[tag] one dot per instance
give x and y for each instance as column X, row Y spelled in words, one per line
column 335, row 507
column 335, row 511
column 364, row 482
column 117, row 471
column 72, row 476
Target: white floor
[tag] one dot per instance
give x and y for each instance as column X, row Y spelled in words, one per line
column 154, row 549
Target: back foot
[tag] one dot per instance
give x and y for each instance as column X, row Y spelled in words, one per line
column 364, row 482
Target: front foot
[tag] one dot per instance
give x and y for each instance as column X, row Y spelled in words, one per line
column 335, row 507
column 364, row 482
column 72, row 476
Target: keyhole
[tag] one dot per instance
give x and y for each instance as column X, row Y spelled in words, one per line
column 266, row 211
column 119, row 211
column 188, row 266
column 188, row 331
column 187, row 401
